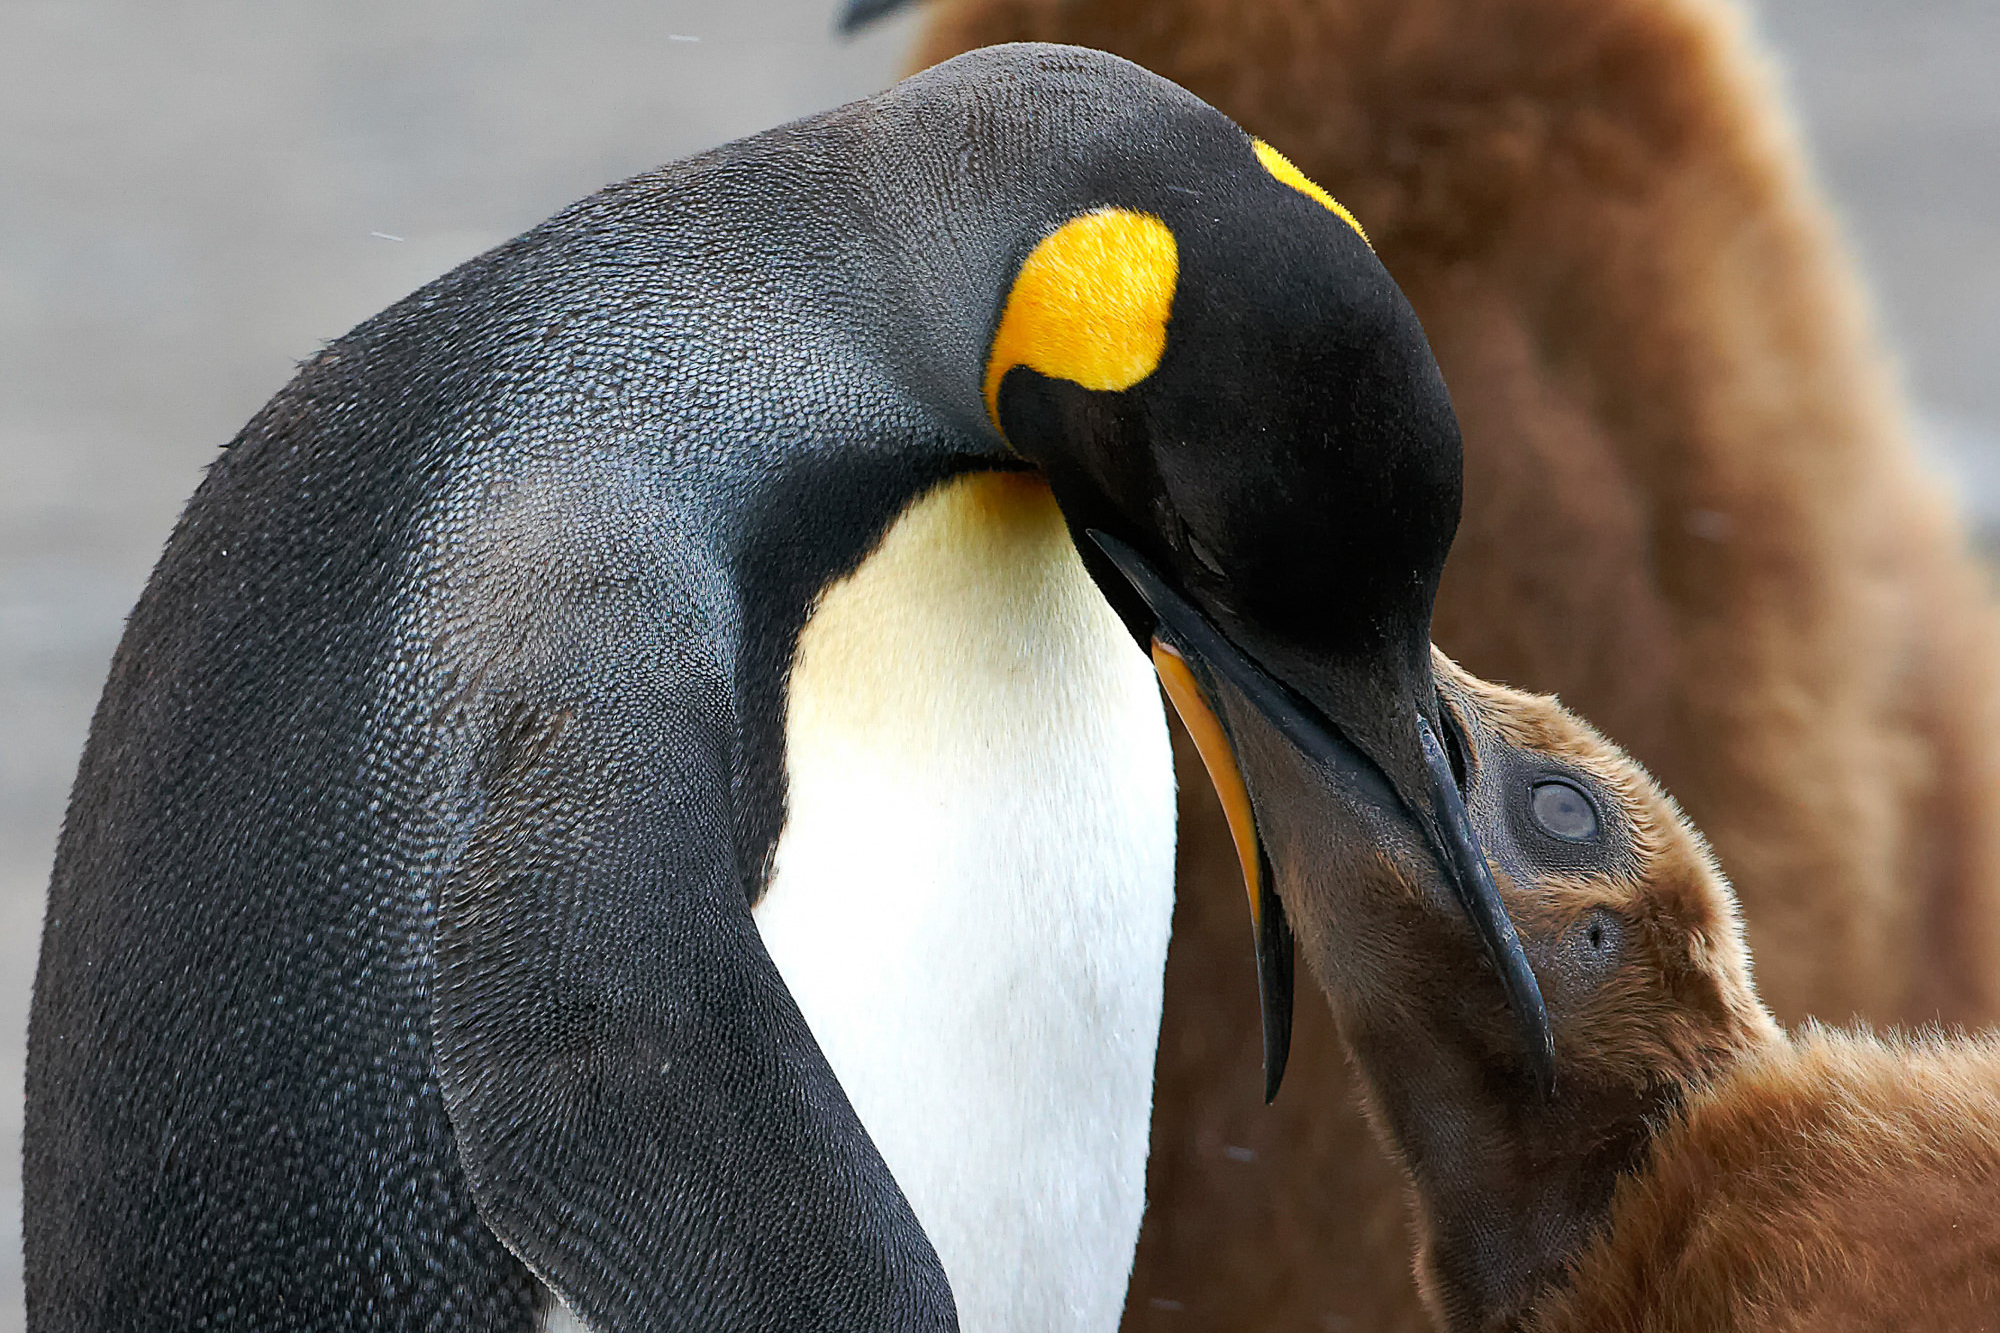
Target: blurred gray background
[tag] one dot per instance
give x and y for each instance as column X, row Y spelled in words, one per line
column 194, row 196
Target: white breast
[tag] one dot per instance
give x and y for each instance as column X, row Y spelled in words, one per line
column 973, row 892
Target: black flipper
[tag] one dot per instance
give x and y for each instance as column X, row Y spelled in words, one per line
column 643, row 1114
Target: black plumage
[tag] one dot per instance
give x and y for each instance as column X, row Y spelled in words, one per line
column 399, row 947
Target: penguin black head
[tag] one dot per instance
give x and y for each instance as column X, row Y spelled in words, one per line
column 1242, row 421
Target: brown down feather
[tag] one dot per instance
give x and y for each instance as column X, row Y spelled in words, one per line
column 1691, row 510
column 1837, row 1182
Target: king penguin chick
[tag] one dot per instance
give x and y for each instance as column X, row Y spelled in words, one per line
column 631, row 781
column 1694, row 1167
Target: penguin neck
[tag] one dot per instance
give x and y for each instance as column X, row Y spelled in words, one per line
column 971, row 895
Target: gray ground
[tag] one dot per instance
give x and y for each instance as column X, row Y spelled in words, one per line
column 196, row 195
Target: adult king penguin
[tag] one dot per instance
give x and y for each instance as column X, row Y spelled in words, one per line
column 632, row 777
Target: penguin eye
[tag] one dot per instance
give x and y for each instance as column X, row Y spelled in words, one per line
column 1200, row 551
column 1562, row 810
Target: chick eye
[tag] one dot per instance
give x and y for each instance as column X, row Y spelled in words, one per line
column 1563, row 811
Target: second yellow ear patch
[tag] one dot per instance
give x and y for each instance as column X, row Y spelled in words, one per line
column 1281, row 166
column 1090, row 304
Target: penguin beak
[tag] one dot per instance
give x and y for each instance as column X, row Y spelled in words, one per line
column 1267, row 913
column 1188, row 651
column 858, row 14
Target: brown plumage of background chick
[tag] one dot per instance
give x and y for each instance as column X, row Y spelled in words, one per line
column 1691, row 509
column 1695, row 1169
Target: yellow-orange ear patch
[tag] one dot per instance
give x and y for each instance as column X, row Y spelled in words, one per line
column 1281, row 166
column 1090, row 304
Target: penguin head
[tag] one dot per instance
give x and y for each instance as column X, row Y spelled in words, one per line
column 1236, row 387
column 1634, row 935
column 1631, row 926
column 1243, row 424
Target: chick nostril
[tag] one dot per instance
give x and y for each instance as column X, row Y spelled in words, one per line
column 1563, row 811
column 1589, row 952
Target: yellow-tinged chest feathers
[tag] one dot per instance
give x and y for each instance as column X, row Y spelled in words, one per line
column 973, row 616
column 971, row 898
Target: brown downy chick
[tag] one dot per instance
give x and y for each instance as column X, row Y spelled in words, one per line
column 1693, row 1168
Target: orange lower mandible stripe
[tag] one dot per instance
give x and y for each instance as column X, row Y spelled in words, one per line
column 1206, row 730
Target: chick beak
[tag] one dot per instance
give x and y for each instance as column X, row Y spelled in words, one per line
column 1188, row 652
column 1448, row 828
